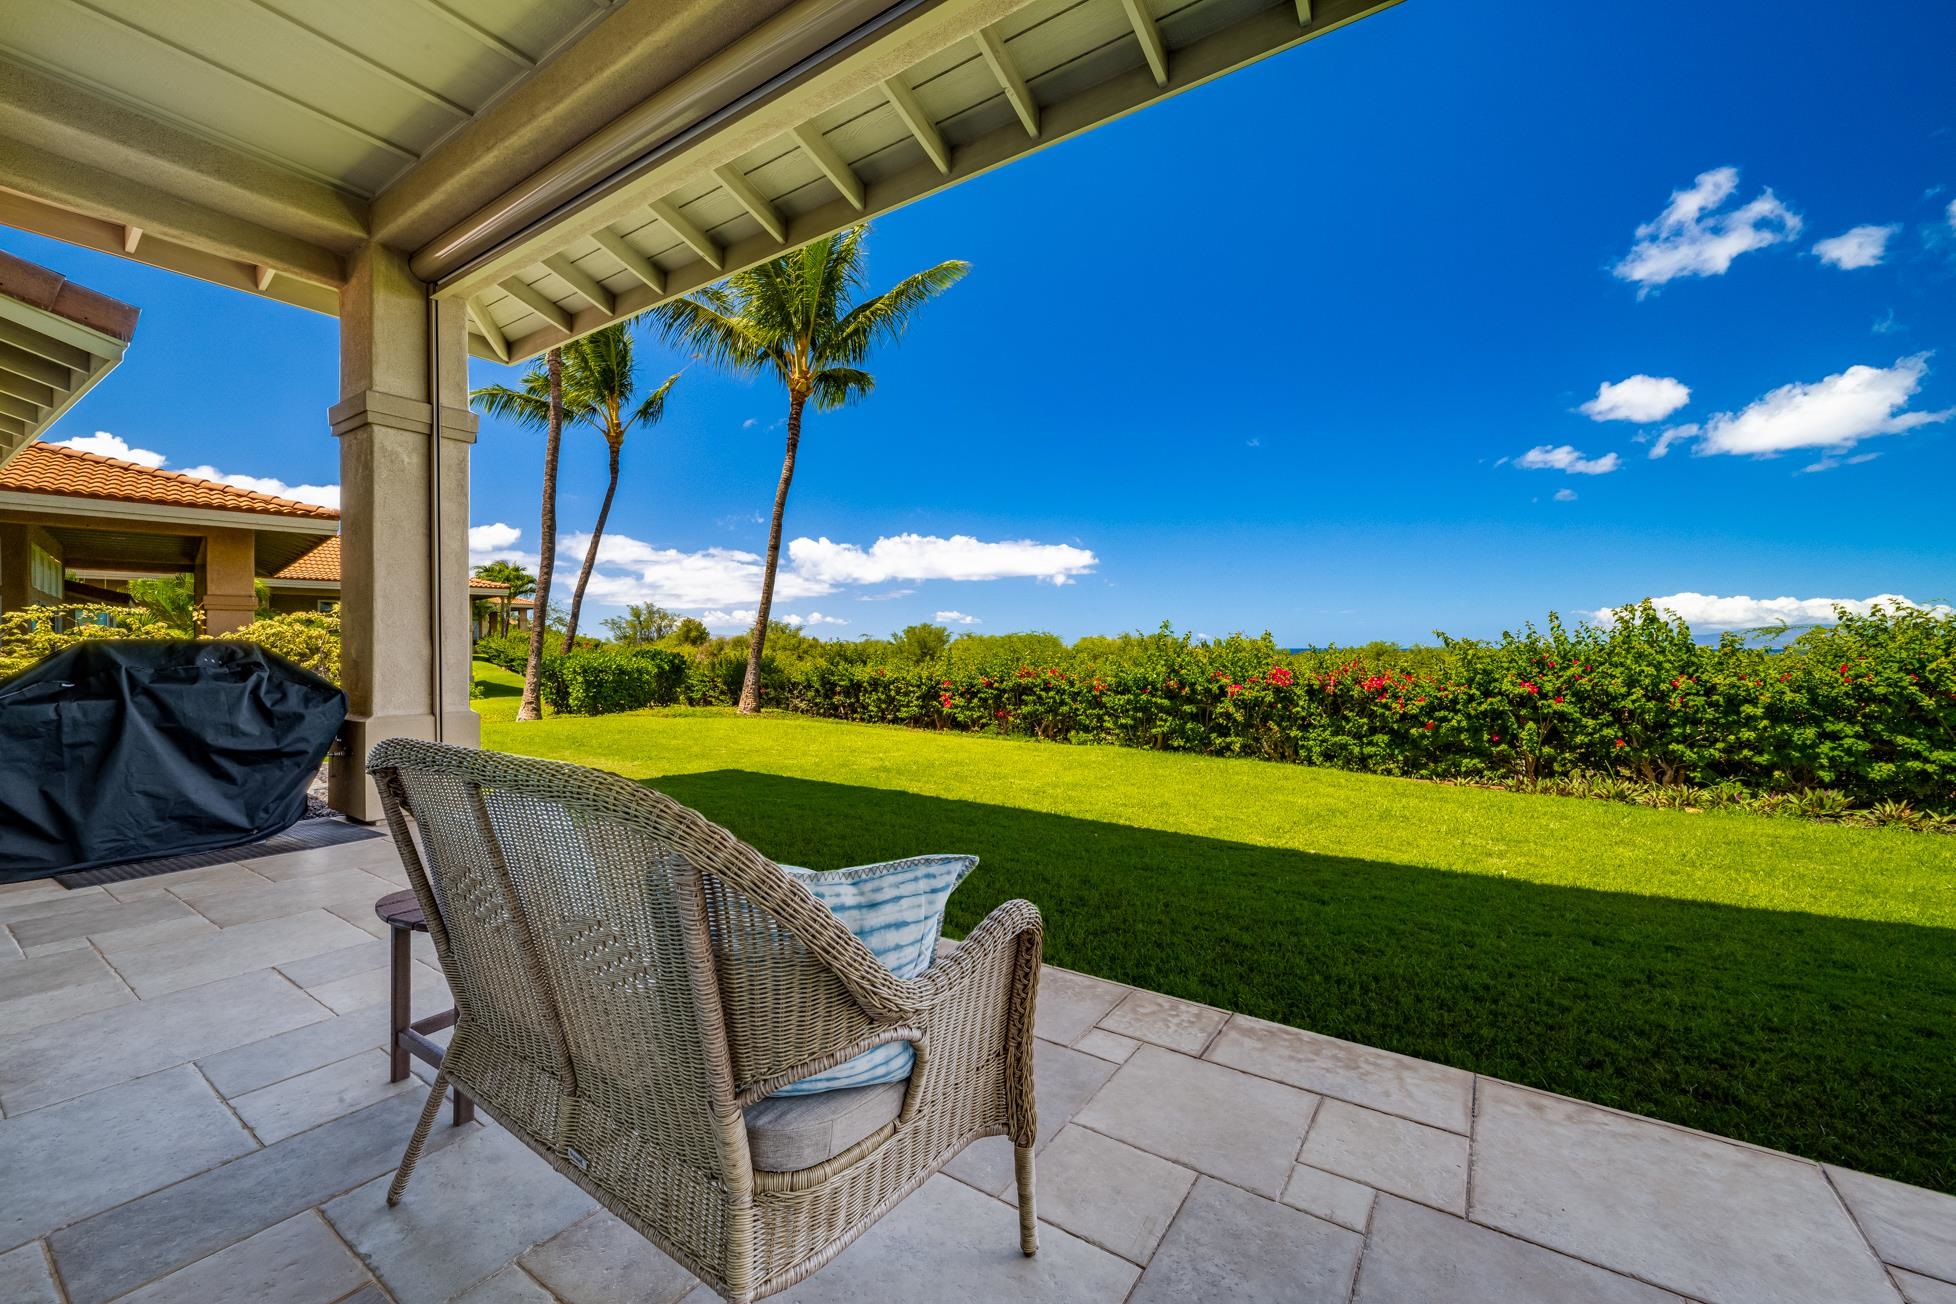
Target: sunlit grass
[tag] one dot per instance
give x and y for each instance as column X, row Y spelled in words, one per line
column 1781, row 981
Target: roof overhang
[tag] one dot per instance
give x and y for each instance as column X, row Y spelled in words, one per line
column 559, row 164
column 796, row 131
column 159, row 515
column 57, row 341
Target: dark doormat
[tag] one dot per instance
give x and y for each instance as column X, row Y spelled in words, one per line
column 303, row 836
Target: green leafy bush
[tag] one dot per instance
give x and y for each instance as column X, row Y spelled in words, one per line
column 1866, row 707
column 307, row 638
column 601, row 680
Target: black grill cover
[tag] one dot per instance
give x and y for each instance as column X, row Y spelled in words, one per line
column 129, row 749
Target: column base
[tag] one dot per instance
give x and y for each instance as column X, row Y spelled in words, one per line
column 348, row 788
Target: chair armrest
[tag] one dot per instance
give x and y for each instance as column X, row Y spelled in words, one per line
column 997, row 942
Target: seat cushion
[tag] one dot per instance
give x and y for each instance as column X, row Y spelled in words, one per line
column 790, row 1132
column 897, row 909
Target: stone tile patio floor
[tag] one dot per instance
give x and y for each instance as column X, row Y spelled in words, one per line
column 194, row 1107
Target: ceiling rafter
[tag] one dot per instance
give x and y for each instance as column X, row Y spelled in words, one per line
column 1303, row 13
column 312, row 111
column 752, row 200
column 485, row 326
column 582, row 282
column 911, row 109
column 1148, row 32
column 33, row 366
column 32, row 390
column 634, row 262
column 537, row 302
column 426, row 94
column 690, row 234
column 836, row 168
column 1006, row 73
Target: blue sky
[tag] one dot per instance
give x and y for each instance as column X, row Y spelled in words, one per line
column 1308, row 350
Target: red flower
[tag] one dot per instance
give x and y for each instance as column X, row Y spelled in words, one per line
column 1558, row 697
column 1233, row 689
column 1281, row 676
column 1497, row 738
column 946, row 700
column 945, row 684
column 1429, row 726
column 1621, row 743
column 1001, row 713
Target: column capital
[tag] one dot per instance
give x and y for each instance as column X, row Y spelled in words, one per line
column 374, row 407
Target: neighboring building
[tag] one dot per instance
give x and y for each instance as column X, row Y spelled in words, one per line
column 312, row 583
column 77, row 527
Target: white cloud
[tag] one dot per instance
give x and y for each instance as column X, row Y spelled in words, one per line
column 727, row 621
column 814, row 618
column 630, row 570
column 1952, row 214
column 493, row 542
column 109, row 445
column 1674, row 435
column 1564, row 458
column 928, row 557
column 1864, row 246
column 1696, row 235
column 1705, row 611
column 885, row 596
column 1835, row 413
column 955, row 618
column 105, row 444
column 319, row 495
column 1565, row 495
column 1639, row 398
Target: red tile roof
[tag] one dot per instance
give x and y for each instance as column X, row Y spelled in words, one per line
column 322, row 564
column 71, row 473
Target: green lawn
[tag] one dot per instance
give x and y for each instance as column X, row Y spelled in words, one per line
column 1784, row 982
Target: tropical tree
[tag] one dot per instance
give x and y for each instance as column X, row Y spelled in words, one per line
column 642, row 623
column 172, row 599
column 800, row 318
column 516, row 581
column 600, row 385
column 520, row 406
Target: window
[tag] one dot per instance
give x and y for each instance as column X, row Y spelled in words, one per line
column 44, row 572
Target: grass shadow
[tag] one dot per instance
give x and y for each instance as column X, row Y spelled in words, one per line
column 1827, row 1037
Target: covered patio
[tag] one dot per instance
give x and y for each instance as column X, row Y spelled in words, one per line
column 194, row 1096
column 196, row 1108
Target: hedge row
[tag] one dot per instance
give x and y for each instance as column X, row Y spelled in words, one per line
column 596, row 680
column 1865, row 708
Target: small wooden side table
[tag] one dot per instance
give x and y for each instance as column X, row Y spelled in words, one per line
column 406, row 1036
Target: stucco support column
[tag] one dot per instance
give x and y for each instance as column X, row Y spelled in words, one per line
column 226, row 566
column 405, row 429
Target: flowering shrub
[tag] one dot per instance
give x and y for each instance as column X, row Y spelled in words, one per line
column 1866, row 707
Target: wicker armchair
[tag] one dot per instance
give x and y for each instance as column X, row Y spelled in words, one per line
column 632, row 982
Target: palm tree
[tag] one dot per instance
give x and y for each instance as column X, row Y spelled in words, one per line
column 599, row 385
column 522, row 406
column 794, row 316
column 516, row 582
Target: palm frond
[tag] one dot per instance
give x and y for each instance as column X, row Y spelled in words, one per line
column 507, row 404
column 653, row 409
column 835, row 387
column 883, row 318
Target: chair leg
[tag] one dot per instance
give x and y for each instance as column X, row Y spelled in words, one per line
column 1028, row 1220
column 419, row 1139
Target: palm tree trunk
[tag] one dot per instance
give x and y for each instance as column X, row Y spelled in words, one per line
column 750, row 687
column 591, row 553
column 531, row 706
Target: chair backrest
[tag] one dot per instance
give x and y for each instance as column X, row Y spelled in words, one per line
column 623, row 967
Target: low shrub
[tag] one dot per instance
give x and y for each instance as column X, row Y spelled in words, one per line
column 309, row 638
column 602, row 680
column 1866, row 707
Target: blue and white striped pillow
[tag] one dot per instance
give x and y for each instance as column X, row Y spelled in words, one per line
column 897, row 909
